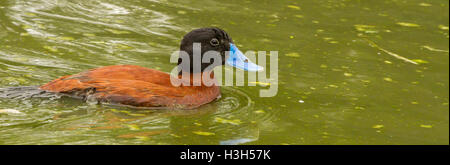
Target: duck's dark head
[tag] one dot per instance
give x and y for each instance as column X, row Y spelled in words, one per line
column 212, row 42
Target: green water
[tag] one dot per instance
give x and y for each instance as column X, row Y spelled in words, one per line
column 350, row 71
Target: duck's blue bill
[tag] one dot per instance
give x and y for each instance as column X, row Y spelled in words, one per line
column 238, row 60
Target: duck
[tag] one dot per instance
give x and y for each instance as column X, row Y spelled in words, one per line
column 141, row 87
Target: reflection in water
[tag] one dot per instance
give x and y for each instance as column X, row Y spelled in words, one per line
column 25, row 92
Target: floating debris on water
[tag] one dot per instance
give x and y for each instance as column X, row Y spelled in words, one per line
column 202, row 133
column 260, row 83
column 426, row 126
column 227, row 121
column 425, row 4
column 378, row 126
column 333, row 86
column 266, row 40
column 174, row 135
column 372, row 44
column 348, row 74
column 387, row 79
column 365, row 28
column 301, row 101
column 294, row 7
column 333, row 42
column 406, row 24
column 434, row 49
column 443, row 27
column 420, row 61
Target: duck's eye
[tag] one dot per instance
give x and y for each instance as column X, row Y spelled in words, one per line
column 214, row 42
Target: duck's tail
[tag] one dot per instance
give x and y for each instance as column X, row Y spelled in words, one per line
column 24, row 92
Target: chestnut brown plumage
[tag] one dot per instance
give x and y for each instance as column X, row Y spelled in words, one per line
column 143, row 87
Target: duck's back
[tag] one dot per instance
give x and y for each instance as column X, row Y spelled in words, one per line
column 131, row 85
